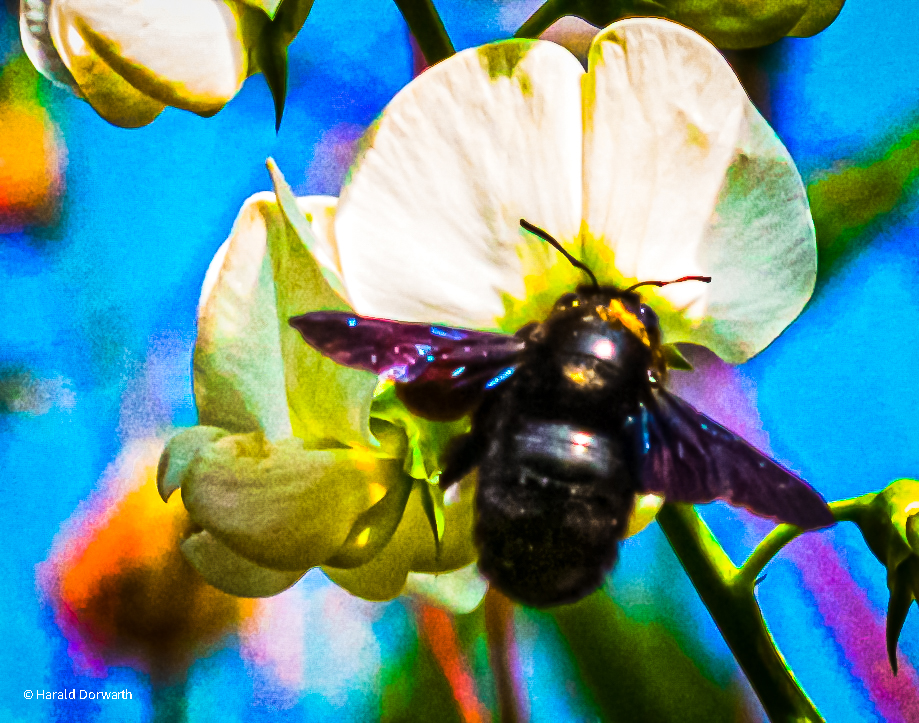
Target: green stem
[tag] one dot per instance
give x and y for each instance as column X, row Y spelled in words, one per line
column 843, row 511
column 735, row 611
column 545, row 15
column 423, row 20
column 499, row 629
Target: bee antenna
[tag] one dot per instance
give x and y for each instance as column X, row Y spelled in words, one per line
column 574, row 262
column 704, row 279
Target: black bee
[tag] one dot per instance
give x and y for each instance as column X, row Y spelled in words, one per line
column 570, row 419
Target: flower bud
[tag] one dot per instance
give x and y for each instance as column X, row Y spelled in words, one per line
column 130, row 60
column 890, row 526
column 729, row 24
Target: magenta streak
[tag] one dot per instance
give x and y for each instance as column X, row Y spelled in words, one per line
column 858, row 628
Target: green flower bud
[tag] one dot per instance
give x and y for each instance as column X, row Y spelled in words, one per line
column 891, row 528
column 730, row 24
column 131, row 60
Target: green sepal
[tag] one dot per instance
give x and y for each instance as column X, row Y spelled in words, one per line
column 271, row 51
column 674, row 358
column 432, row 500
column 901, row 597
column 884, row 524
column 890, row 526
column 326, row 402
column 272, row 61
column 427, row 440
column 269, row 7
column 373, row 530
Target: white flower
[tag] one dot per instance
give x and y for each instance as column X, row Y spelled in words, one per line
column 652, row 165
column 131, row 58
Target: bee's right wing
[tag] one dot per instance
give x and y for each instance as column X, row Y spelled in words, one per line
column 691, row 458
column 441, row 371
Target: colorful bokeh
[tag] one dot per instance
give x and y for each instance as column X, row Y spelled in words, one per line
column 101, row 262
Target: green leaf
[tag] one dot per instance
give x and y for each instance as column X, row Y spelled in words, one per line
column 738, row 24
column 270, row 7
column 819, row 15
column 845, row 203
column 619, row 660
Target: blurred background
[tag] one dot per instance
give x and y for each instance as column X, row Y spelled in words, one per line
column 105, row 235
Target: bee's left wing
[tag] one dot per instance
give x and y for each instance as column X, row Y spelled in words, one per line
column 441, row 371
column 690, row 458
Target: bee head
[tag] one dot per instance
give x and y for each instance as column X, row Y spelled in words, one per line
column 614, row 307
column 619, row 310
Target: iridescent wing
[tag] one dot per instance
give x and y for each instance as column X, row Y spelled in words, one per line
column 441, row 371
column 690, row 458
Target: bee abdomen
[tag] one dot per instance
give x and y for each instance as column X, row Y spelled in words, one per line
column 553, row 502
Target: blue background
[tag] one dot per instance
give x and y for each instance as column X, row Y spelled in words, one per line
column 87, row 301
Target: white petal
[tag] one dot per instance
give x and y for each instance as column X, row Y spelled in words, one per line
column 191, row 54
column 252, row 370
column 279, row 505
column 233, row 574
column 179, row 454
column 683, row 177
column 460, row 591
column 39, row 47
column 327, row 401
column 112, row 97
column 428, row 225
column 239, row 370
column 760, row 250
column 320, row 214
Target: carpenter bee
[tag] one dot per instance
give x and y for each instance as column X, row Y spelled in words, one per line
column 570, row 419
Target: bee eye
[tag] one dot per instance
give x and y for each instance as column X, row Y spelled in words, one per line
column 566, row 301
column 647, row 317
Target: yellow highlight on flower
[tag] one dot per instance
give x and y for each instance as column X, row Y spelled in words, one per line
column 377, row 492
column 363, row 537
column 364, row 459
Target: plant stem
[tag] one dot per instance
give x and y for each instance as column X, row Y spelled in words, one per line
column 428, row 29
column 499, row 626
column 843, row 511
column 545, row 15
column 735, row 611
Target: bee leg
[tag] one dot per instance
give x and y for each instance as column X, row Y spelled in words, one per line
column 464, row 453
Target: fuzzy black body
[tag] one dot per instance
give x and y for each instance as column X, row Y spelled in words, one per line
column 557, row 450
column 570, row 419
